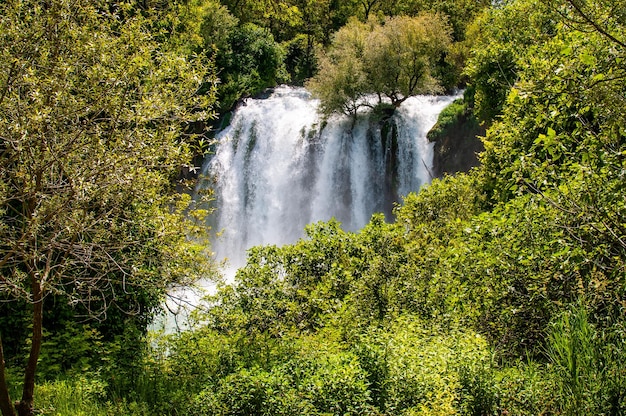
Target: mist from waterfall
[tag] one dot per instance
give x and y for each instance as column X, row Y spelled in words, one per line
column 279, row 166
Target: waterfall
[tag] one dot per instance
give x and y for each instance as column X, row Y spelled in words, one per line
column 278, row 167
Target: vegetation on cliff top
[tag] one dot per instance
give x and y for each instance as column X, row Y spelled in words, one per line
column 499, row 291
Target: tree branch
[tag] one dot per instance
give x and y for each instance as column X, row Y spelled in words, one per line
column 594, row 24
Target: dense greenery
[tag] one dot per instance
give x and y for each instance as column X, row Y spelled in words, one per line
column 257, row 44
column 395, row 59
column 92, row 116
column 499, row 291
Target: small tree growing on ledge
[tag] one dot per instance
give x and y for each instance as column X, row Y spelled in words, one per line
column 391, row 60
column 91, row 111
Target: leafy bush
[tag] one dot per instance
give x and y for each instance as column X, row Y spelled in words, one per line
column 524, row 388
column 449, row 116
column 415, row 368
column 82, row 396
column 310, row 381
column 425, row 366
column 249, row 392
column 337, row 386
column 250, row 63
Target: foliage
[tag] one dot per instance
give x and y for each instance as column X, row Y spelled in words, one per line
column 448, row 117
column 214, row 29
column 500, row 291
column 300, row 58
column 216, row 25
column 251, row 62
column 424, row 371
column 287, row 288
column 572, row 116
column 74, row 348
column 499, row 37
column 589, row 380
column 395, row 60
column 402, row 54
column 81, row 396
column 92, row 118
column 559, row 139
column 341, row 82
column 248, row 392
column 584, row 374
column 423, row 366
column 50, row 128
column 195, row 27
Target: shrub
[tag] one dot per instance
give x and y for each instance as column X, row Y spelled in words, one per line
column 249, row 392
column 427, row 370
column 448, row 117
column 82, row 396
column 588, row 374
column 338, row 386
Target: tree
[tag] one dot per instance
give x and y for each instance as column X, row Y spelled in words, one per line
column 368, row 7
column 279, row 16
column 603, row 17
column 92, row 112
column 195, row 26
column 499, row 37
column 251, row 62
column 559, row 143
column 458, row 12
column 341, row 83
column 394, row 59
column 402, row 55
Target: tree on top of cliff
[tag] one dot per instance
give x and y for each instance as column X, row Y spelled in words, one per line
column 392, row 60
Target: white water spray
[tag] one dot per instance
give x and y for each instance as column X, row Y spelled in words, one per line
column 279, row 167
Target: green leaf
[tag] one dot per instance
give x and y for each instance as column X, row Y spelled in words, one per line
column 598, row 77
column 588, row 59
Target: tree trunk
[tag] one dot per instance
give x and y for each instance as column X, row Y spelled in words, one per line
column 5, row 400
column 26, row 406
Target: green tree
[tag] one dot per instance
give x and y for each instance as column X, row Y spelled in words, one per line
column 313, row 29
column 556, row 154
column 216, row 26
column 194, row 26
column 280, row 17
column 459, row 13
column 402, row 55
column 498, row 38
column 250, row 62
column 92, row 112
column 394, row 60
column 341, row 82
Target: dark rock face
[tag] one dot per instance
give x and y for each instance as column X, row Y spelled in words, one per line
column 457, row 145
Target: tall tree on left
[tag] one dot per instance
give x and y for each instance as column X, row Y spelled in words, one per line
column 93, row 112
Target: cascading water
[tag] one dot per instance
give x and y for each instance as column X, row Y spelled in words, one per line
column 279, row 167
